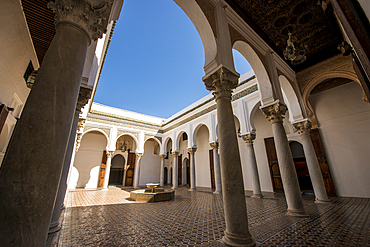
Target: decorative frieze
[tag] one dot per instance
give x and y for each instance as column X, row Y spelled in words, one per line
column 122, row 132
column 131, row 126
column 106, row 131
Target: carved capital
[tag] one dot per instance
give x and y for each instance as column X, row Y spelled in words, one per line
column 175, row 153
column 304, row 127
column 214, row 145
column 83, row 97
column 192, row 150
column 89, row 15
column 222, row 82
column 163, row 156
column 275, row 113
column 249, row 138
column 139, row 155
column 109, row 153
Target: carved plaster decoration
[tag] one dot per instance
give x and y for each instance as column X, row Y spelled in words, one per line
column 214, row 145
column 109, row 154
column 249, row 138
column 303, row 128
column 83, row 97
column 192, row 150
column 175, row 153
column 222, row 82
column 89, row 15
column 81, row 124
column 275, row 113
column 163, row 156
column 139, row 155
column 78, row 141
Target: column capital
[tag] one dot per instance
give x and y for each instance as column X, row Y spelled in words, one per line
column 139, row 155
column 163, row 156
column 275, row 112
column 222, row 82
column 214, row 145
column 83, row 97
column 249, row 138
column 192, row 150
column 304, row 127
column 91, row 16
column 109, row 153
column 175, row 153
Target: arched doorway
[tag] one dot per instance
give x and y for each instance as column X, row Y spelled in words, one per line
column 186, row 171
column 117, row 169
column 301, row 166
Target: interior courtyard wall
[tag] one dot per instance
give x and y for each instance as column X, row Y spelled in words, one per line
column 168, row 161
column 88, row 159
column 150, row 164
column 202, row 166
column 344, row 120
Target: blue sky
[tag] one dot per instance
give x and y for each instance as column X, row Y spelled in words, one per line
column 155, row 60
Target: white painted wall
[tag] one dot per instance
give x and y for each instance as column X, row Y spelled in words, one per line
column 86, row 167
column 202, row 168
column 150, row 164
column 344, row 120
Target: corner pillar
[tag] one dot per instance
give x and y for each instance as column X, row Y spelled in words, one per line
column 29, row 177
column 214, row 146
column 237, row 233
column 303, row 129
column 275, row 114
column 249, row 139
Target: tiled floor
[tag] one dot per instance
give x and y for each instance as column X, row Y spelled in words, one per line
column 107, row 218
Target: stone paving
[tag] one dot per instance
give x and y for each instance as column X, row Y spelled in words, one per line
column 110, row 218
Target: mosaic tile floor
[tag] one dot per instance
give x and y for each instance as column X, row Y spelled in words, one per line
column 109, row 218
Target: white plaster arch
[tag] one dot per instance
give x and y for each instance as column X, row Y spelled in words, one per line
column 156, row 140
column 251, row 115
column 195, row 131
column 177, row 144
column 291, row 99
column 263, row 80
column 199, row 20
column 97, row 130
column 165, row 144
column 128, row 134
column 236, row 118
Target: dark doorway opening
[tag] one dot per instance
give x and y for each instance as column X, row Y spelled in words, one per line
column 301, row 166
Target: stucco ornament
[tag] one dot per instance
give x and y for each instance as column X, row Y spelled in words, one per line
column 83, row 97
column 89, row 15
column 249, row 138
column 222, row 82
column 214, row 145
column 192, row 150
column 303, row 128
column 275, row 113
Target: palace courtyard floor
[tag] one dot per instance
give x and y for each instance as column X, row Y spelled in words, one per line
column 109, row 218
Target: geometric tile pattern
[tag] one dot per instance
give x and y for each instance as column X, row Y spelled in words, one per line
column 109, row 218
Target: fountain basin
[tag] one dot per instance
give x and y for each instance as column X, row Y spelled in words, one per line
column 145, row 195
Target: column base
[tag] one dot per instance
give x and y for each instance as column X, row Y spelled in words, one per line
column 217, row 192
column 297, row 213
column 322, row 201
column 257, row 195
column 192, row 189
column 238, row 240
column 173, row 187
column 54, row 227
column 104, row 189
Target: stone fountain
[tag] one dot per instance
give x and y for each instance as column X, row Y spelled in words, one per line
column 152, row 194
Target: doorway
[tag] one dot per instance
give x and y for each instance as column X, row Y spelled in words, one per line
column 301, row 166
column 117, row 170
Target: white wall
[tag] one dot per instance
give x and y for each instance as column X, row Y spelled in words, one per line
column 202, row 168
column 86, row 167
column 344, row 120
column 150, row 165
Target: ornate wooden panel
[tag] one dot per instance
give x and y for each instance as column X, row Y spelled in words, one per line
column 321, row 157
column 102, row 169
column 277, row 184
column 130, row 169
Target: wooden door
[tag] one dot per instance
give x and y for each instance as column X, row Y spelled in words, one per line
column 321, row 157
column 102, row 169
column 277, row 184
column 179, row 169
column 130, row 169
column 212, row 167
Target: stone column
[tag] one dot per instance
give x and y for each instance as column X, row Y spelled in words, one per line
column 175, row 181
column 275, row 114
column 319, row 189
column 236, row 232
column 216, row 163
column 192, row 168
column 32, row 166
column 249, row 138
column 107, row 169
column 161, row 176
column 137, row 170
column 83, row 98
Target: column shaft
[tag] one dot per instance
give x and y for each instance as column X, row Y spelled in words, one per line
column 32, row 166
column 192, row 168
column 175, row 181
column 107, row 169
column 161, row 176
column 137, row 170
column 216, row 164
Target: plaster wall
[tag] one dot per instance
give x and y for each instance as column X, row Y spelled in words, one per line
column 344, row 120
column 150, row 165
column 202, row 168
column 86, row 167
